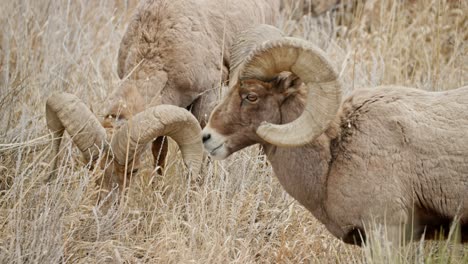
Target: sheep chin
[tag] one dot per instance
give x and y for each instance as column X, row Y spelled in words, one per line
column 215, row 144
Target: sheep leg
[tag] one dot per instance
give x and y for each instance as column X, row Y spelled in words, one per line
column 203, row 105
column 207, row 101
column 159, row 149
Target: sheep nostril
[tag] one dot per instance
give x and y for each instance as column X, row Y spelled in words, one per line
column 206, row 137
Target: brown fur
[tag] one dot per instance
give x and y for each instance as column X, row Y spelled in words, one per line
column 393, row 155
column 174, row 51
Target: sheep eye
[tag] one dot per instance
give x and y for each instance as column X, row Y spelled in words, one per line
column 252, row 97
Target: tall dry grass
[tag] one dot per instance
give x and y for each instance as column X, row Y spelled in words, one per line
column 240, row 214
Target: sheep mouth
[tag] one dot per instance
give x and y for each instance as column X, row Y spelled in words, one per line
column 212, row 152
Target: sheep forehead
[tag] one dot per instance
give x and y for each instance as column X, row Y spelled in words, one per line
column 254, row 85
column 229, row 110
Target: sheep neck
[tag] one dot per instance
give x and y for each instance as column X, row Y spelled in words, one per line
column 302, row 171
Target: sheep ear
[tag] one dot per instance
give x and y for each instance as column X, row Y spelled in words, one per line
column 288, row 83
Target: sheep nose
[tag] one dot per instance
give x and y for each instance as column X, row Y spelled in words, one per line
column 206, row 137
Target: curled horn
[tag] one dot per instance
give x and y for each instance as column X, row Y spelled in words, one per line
column 311, row 65
column 245, row 42
column 66, row 112
column 163, row 120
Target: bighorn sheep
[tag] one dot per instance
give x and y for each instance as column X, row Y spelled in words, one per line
column 390, row 155
column 177, row 52
column 173, row 52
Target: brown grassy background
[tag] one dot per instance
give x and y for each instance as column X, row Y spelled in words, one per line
column 240, row 214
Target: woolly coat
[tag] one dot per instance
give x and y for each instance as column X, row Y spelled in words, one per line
column 176, row 51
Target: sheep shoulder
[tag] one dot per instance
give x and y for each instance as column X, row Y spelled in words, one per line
column 169, row 35
column 405, row 118
column 402, row 145
column 184, row 39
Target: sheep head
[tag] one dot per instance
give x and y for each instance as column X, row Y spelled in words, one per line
column 252, row 111
column 121, row 148
column 135, row 95
column 140, row 68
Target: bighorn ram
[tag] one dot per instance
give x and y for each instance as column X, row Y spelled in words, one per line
column 177, row 52
column 390, row 155
column 173, row 52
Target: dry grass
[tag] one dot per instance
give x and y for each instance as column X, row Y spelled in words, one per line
column 240, row 214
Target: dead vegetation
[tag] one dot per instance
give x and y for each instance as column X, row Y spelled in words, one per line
column 240, row 214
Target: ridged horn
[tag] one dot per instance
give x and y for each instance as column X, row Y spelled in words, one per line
column 163, row 120
column 311, row 65
column 66, row 112
column 245, row 42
